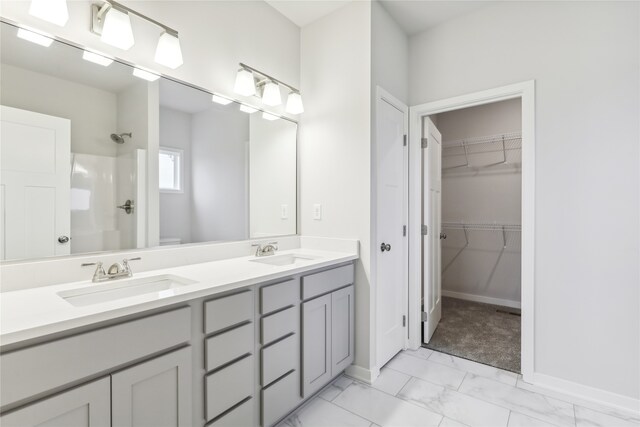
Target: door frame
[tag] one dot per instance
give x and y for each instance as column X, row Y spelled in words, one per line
column 525, row 91
column 383, row 95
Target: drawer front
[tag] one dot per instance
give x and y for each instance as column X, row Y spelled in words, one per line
column 278, row 359
column 327, row 281
column 280, row 398
column 278, row 325
column 228, row 311
column 230, row 345
column 228, row 387
column 280, row 295
column 43, row 367
column 241, row 416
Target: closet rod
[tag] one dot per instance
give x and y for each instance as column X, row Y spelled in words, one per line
column 506, row 137
column 482, row 226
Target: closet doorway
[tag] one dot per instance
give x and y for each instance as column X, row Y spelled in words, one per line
column 472, row 266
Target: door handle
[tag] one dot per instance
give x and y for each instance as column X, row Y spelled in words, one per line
column 63, row 239
column 443, row 235
column 385, row 247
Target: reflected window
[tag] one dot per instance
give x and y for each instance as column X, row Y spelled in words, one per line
column 170, row 168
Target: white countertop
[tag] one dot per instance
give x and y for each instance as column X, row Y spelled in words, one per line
column 32, row 313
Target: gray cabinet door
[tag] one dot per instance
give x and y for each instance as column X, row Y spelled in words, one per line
column 85, row 406
column 316, row 346
column 156, row 393
column 342, row 330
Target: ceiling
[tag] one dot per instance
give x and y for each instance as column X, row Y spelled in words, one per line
column 304, row 12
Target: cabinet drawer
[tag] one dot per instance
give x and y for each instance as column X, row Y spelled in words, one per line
column 327, row 281
column 228, row 311
column 230, row 345
column 278, row 359
column 280, row 398
column 228, row 387
column 43, row 367
column 280, row 295
column 240, row 416
column 278, row 325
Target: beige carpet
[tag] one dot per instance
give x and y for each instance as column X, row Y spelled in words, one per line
column 483, row 333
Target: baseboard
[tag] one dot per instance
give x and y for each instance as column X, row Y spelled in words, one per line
column 587, row 393
column 362, row 374
column 480, row 298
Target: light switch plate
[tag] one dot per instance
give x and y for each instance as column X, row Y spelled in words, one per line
column 284, row 211
column 317, row 211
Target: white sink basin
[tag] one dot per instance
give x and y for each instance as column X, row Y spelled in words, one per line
column 286, row 259
column 163, row 285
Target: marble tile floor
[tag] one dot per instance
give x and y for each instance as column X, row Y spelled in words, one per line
column 428, row 388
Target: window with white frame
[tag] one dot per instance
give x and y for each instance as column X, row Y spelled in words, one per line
column 170, row 168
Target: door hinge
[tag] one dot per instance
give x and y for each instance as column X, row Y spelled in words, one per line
column 404, row 321
column 425, row 230
column 404, row 140
column 404, row 230
column 423, row 316
column 424, row 142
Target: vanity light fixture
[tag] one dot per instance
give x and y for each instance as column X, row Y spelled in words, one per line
column 294, row 104
column 247, row 109
column 54, row 11
column 245, row 83
column 34, row 37
column 145, row 75
column 271, row 94
column 96, row 58
column 250, row 81
column 270, row 117
column 220, row 99
column 168, row 52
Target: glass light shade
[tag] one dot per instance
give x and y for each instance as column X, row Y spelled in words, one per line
column 270, row 117
column 247, row 109
column 54, row 11
column 168, row 52
column 271, row 94
column 220, row 100
column 34, row 37
column 294, row 104
column 245, row 85
column 145, row 75
column 117, row 30
column 96, row 58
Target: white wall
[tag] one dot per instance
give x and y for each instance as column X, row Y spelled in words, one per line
column 219, row 144
column 272, row 176
column 214, row 35
column 92, row 111
column 484, row 268
column 175, row 208
column 584, row 57
column 335, row 138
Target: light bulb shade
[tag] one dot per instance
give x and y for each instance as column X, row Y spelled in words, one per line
column 54, row 11
column 96, row 58
column 34, row 37
column 270, row 117
column 271, row 94
column 220, row 99
column 117, row 30
column 245, row 84
column 145, row 75
column 247, row 109
column 294, row 104
column 168, row 52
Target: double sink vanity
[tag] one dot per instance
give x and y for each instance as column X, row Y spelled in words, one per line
column 234, row 342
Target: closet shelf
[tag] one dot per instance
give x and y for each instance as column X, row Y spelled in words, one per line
column 481, row 226
column 464, row 148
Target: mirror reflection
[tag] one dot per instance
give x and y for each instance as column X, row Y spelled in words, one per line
column 93, row 158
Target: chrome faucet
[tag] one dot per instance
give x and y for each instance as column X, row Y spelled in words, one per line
column 115, row 271
column 266, row 250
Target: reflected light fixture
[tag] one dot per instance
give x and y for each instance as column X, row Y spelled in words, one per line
column 269, row 117
column 271, row 94
column 34, row 37
column 54, row 11
column 247, row 109
column 220, row 99
column 96, row 58
column 168, row 52
column 245, row 84
column 294, row 103
column 117, row 30
column 145, row 75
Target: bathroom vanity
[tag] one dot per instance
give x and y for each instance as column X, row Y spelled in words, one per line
column 235, row 342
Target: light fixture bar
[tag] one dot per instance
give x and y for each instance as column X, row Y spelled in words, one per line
column 98, row 12
column 268, row 77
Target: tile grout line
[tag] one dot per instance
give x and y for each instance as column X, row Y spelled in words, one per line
column 349, row 411
column 509, row 417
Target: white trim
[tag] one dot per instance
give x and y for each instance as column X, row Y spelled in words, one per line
column 580, row 391
column 481, row 298
column 525, row 91
column 362, row 374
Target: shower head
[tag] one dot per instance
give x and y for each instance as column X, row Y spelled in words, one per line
column 119, row 139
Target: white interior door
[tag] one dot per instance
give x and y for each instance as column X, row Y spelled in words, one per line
column 431, row 218
column 35, row 152
column 391, row 218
